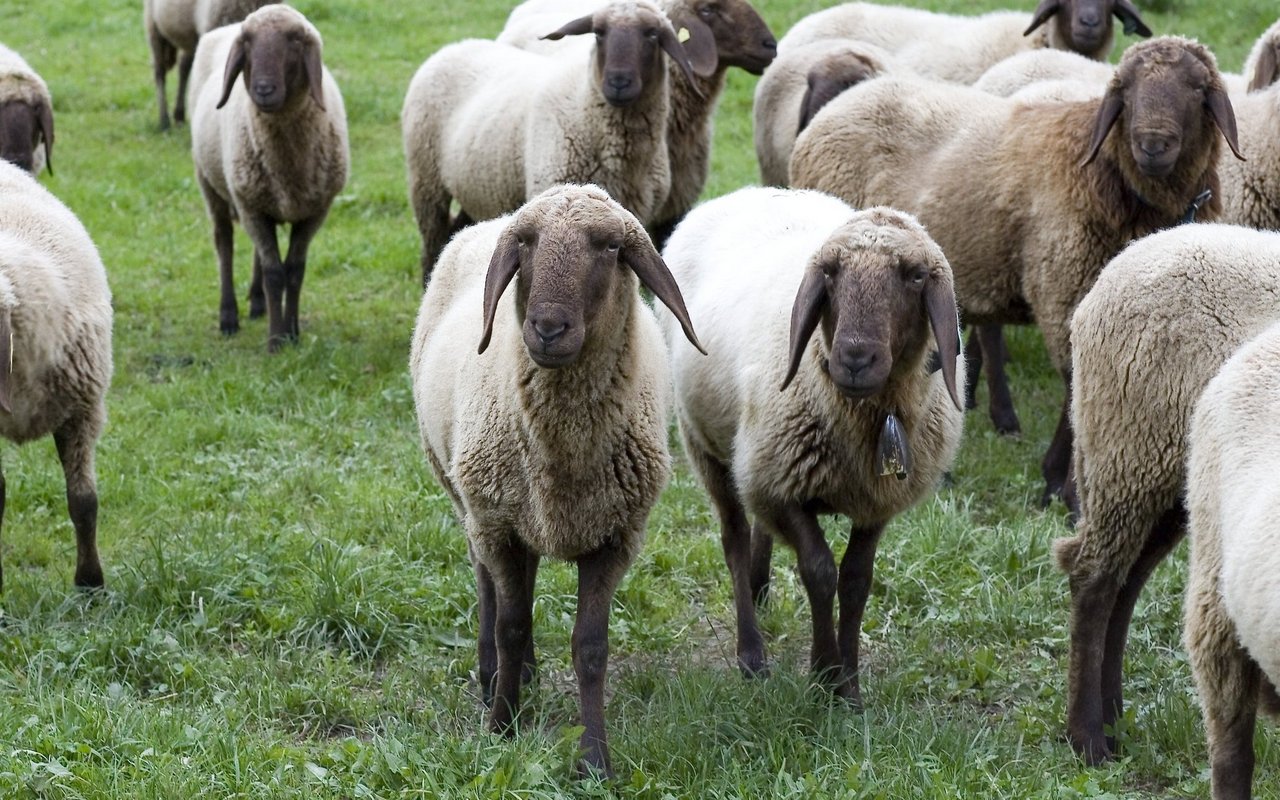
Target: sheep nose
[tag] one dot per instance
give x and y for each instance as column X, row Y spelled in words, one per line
column 264, row 88
column 548, row 331
column 1154, row 146
column 620, row 81
column 1090, row 19
column 857, row 358
column 770, row 44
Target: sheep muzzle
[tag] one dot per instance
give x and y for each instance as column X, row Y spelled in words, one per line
column 552, row 334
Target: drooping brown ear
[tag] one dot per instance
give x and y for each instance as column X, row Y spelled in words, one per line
column 315, row 73
column 579, row 26
column 815, row 97
column 235, row 65
column 944, row 319
column 806, row 311
column 639, row 255
column 1127, row 13
column 1265, row 71
column 1108, row 112
column 1041, row 15
column 1224, row 117
column 44, row 121
column 503, row 266
column 698, row 40
column 667, row 39
column 6, row 359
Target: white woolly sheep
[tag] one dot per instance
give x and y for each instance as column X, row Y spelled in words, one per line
column 1017, row 73
column 491, row 125
column 554, row 441
column 55, row 345
column 716, row 35
column 173, row 28
column 1232, row 627
column 798, row 84
column 1251, row 189
column 270, row 152
column 1161, row 319
column 859, row 402
column 1030, row 199
column 960, row 48
column 26, row 115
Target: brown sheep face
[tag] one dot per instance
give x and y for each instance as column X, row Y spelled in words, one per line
column 831, row 76
column 23, row 127
column 876, row 288
column 725, row 33
column 569, row 249
column 1086, row 25
column 280, row 60
column 628, row 53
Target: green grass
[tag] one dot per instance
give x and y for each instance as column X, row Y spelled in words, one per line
column 290, row 608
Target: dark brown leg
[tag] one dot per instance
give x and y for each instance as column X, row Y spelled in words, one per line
column 855, row 585
column 1166, row 533
column 262, row 231
column 257, row 297
column 1092, row 599
column 163, row 57
column 761, row 564
column 514, row 626
column 973, row 368
column 223, row 241
column 530, row 665
column 598, row 577
column 75, row 442
column 295, row 268
column 818, row 572
column 2, row 493
column 184, row 72
column 999, row 400
column 1058, row 457
column 486, row 646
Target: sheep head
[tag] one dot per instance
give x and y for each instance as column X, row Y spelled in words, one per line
column 877, row 286
column 24, row 124
column 723, row 34
column 569, row 249
column 831, row 76
column 1165, row 100
column 278, row 51
column 1085, row 26
column 1263, row 67
column 630, row 39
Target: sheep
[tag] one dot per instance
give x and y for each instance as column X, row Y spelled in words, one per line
column 26, row 115
column 796, row 86
column 1030, row 199
column 554, row 441
column 880, row 291
column 1024, row 70
column 173, row 28
column 55, row 346
column 959, row 48
column 270, row 153
column 1161, row 319
column 491, row 125
column 717, row 36
column 1261, row 67
column 1231, row 611
column 1251, row 190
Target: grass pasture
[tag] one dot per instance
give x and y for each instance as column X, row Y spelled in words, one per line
column 290, row 610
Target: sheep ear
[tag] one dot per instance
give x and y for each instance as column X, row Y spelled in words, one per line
column 315, row 74
column 503, row 266
column 579, row 26
column 1265, row 71
column 235, row 65
column 814, row 100
column 44, row 120
column 1224, row 117
column 698, row 42
column 6, row 358
column 1127, row 13
column 1041, row 15
column 944, row 319
column 1108, row 112
column 806, row 311
column 641, row 257
column 667, row 38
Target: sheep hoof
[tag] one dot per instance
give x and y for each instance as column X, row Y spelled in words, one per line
column 257, row 306
column 592, row 766
column 753, row 665
column 229, row 325
column 1007, row 426
column 1092, row 749
column 89, row 579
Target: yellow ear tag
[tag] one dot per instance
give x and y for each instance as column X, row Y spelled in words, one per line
column 683, row 35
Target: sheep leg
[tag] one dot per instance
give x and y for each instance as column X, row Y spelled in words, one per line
column 855, row 585
column 223, row 242
column 184, row 72
column 1093, row 595
column 1166, row 533
column 1, row 523
column 999, row 400
column 598, row 578
column 973, row 368
column 163, row 57
column 486, row 610
column 257, row 298
column 262, row 231
column 295, row 268
column 530, row 665
column 514, row 626
column 761, row 564
column 430, row 201
column 75, row 442
column 818, row 572
column 1058, row 457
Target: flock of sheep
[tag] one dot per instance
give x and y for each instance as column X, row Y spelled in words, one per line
column 989, row 170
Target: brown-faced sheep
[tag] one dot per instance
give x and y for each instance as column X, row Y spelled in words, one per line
column 1029, row 200
column 1161, row 319
column 26, row 115
column 269, row 150
column 863, row 426
column 490, row 125
column 55, row 345
column 1251, row 189
column 553, row 442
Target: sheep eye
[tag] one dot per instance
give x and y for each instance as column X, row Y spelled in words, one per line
column 612, row 247
column 706, row 12
column 651, row 35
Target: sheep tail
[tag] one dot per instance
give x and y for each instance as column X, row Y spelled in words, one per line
column 1066, row 551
